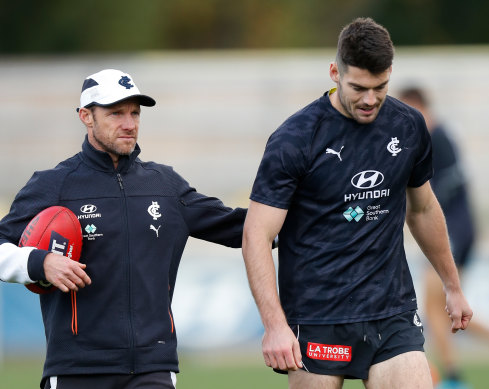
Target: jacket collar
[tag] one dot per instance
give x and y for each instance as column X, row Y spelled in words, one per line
column 100, row 160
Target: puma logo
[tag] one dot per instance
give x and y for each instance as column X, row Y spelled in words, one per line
column 337, row 153
column 152, row 227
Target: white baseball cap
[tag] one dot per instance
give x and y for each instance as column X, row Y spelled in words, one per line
column 109, row 87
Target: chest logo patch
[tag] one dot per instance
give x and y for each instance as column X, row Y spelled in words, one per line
column 367, row 179
column 91, row 234
column 89, row 211
column 353, row 214
column 154, row 210
column 337, row 153
column 156, row 230
column 392, row 147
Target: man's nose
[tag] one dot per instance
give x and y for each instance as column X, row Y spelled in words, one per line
column 129, row 122
column 369, row 97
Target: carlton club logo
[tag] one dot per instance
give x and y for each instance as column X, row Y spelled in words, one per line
column 392, row 147
column 125, row 82
column 154, row 210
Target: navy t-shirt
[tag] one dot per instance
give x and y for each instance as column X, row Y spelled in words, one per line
column 341, row 252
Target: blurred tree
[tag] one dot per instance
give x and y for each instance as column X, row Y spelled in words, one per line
column 62, row 26
column 50, row 26
column 432, row 22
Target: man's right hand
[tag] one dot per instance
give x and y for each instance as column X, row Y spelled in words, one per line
column 281, row 349
column 263, row 223
column 65, row 273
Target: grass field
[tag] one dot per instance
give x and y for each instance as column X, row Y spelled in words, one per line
column 212, row 373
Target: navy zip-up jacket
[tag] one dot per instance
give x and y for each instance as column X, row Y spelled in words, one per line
column 136, row 220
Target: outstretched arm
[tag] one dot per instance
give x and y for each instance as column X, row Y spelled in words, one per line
column 427, row 224
column 263, row 223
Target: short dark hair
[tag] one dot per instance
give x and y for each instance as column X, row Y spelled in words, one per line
column 365, row 44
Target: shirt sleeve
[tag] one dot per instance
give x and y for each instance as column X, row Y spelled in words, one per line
column 17, row 264
column 283, row 165
column 207, row 218
column 423, row 168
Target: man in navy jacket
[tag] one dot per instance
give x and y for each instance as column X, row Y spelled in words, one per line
column 136, row 218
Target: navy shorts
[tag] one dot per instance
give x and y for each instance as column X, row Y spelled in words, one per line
column 350, row 349
column 158, row 379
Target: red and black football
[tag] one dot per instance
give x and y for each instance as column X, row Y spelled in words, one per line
column 58, row 230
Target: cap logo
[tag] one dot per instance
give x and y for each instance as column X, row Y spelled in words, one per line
column 125, row 82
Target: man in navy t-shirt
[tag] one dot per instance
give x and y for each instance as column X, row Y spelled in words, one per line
column 337, row 181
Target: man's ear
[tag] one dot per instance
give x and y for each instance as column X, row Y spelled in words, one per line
column 334, row 72
column 86, row 116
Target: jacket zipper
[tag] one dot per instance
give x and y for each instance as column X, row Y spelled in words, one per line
column 128, row 281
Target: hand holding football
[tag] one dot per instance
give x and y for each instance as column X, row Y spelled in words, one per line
column 58, row 230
